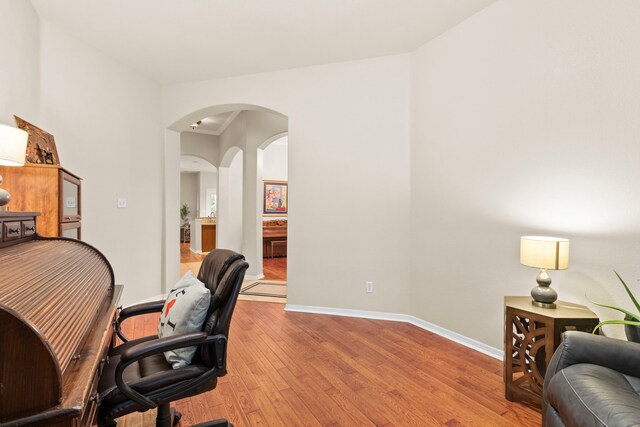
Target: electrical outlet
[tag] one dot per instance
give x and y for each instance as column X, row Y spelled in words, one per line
column 369, row 287
column 122, row 202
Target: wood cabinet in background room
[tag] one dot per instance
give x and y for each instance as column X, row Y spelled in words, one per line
column 50, row 190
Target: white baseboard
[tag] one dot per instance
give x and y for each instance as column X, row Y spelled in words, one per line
column 396, row 317
column 252, row 277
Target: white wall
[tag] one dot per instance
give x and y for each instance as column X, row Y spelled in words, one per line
column 189, row 191
column 348, row 220
column 247, row 133
column 208, row 181
column 105, row 119
column 525, row 121
column 206, row 147
column 20, row 65
column 274, row 161
column 261, row 126
column 275, row 167
column 232, row 234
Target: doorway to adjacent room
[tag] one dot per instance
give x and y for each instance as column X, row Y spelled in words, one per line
column 250, row 154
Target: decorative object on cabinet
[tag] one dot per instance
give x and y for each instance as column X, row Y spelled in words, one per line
column 531, row 335
column 13, row 144
column 41, row 148
column 275, row 195
column 51, row 190
column 545, row 253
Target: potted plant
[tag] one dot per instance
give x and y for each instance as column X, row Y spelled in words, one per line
column 631, row 320
column 184, row 212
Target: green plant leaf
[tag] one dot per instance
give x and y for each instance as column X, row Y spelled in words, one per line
column 635, row 302
column 615, row 322
column 622, row 310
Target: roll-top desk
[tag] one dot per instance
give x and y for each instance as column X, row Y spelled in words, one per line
column 57, row 308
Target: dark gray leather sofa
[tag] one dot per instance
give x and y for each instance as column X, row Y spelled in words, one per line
column 592, row 380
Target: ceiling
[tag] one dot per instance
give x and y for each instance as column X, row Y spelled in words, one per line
column 195, row 164
column 215, row 125
column 172, row 41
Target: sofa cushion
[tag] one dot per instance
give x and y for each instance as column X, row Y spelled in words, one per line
column 591, row 395
column 184, row 312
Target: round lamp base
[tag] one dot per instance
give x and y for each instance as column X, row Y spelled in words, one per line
column 543, row 304
column 4, row 197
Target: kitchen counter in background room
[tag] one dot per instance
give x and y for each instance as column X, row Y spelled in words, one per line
column 203, row 235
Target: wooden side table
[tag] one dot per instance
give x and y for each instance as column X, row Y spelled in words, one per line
column 531, row 336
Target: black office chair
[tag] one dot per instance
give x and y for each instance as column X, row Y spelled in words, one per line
column 137, row 376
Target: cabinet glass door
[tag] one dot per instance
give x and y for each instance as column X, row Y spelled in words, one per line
column 69, row 197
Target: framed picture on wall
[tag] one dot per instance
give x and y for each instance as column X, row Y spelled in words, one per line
column 275, row 201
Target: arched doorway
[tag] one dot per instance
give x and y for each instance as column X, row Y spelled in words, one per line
column 241, row 142
column 198, row 191
column 275, row 175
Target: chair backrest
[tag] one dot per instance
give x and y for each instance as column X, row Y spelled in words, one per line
column 215, row 265
column 224, row 289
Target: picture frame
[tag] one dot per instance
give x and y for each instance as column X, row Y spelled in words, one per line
column 275, row 196
column 41, row 146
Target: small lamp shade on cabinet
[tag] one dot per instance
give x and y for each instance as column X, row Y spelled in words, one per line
column 13, row 146
column 545, row 253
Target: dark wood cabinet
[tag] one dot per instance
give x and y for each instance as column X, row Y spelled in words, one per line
column 208, row 237
column 531, row 336
column 49, row 189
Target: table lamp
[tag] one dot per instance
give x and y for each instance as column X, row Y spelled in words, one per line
column 13, row 146
column 545, row 253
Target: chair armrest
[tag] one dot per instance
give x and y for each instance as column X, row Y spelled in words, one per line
column 583, row 347
column 160, row 345
column 136, row 310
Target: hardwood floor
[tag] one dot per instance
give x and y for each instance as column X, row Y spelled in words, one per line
column 298, row 369
column 187, row 256
column 274, row 268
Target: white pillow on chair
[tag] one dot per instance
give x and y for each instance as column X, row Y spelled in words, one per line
column 184, row 312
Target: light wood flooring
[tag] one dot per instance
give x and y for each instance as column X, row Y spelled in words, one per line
column 273, row 268
column 294, row 369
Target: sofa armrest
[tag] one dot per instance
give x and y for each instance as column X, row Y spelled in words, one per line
column 582, row 347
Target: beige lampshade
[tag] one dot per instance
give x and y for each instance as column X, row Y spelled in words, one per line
column 13, row 145
column 551, row 253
